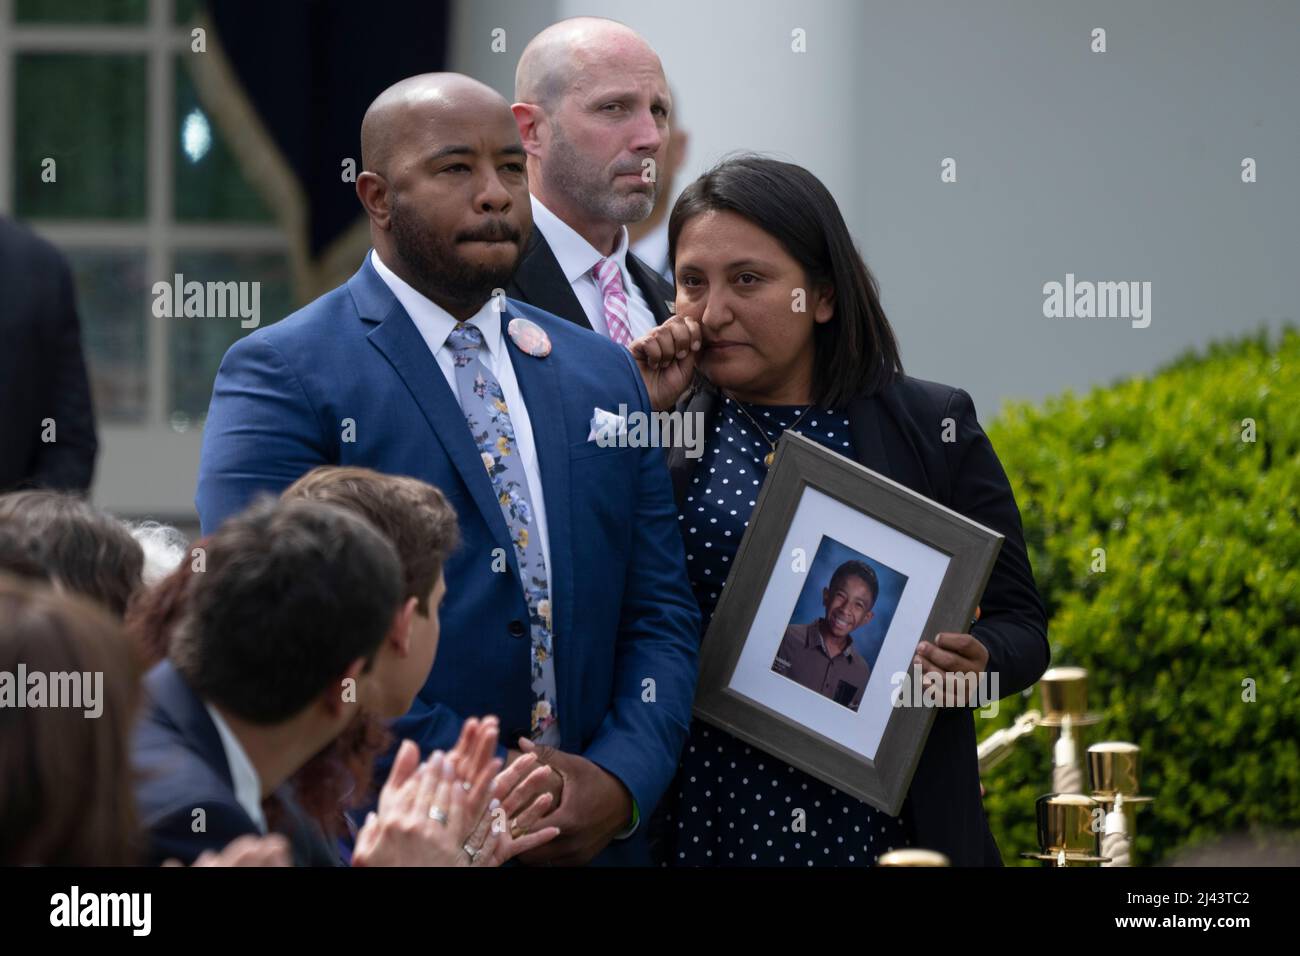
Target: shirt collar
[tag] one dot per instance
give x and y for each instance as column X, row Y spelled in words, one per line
column 815, row 630
column 575, row 254
column 433, row 321
column 248, row 786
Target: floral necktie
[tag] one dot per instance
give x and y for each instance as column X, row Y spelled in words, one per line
column 488, row 418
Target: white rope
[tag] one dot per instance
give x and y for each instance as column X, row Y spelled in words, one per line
column 1067, row 779
column 1115, row 842
column 1118, row 847
column 1066, row 775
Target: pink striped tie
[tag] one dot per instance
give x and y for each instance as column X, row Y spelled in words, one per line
column 610, row 280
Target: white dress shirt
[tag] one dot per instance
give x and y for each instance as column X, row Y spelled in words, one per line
column 435, row 324
column 248, row 786
column 577, row 257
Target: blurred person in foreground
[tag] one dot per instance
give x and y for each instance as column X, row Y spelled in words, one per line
column 314, row 592
column 420, row 523
column 84, row 550
column 64, row 752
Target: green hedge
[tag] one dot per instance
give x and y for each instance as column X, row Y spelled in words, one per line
column 1201, row 589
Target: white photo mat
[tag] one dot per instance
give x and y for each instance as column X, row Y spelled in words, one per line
column 818, row 515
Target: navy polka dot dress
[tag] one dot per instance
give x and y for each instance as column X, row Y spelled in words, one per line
column 732, row 804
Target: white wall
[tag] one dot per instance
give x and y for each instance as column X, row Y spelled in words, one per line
column 1122, row 165
column 1114, row 166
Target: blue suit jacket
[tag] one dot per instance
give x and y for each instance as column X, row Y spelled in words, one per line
column 626, row 624
column 181, row 767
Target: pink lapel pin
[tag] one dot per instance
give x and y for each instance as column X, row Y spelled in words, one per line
column 530, row 337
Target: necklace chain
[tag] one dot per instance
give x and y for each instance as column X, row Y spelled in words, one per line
column 770, row 456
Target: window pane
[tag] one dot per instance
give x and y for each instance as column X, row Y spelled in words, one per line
column 112, row 301
column 81, row 11
column 198, row 344
column 87, row 113
column 210, row 186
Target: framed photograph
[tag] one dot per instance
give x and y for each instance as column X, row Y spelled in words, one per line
column 839, row 576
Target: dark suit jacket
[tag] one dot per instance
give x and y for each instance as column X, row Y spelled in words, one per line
column 540, row 282
column 897, row 433
column 181, row 766
column 42, row 372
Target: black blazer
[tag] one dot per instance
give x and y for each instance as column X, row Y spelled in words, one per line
column 42, row 372
column 181, row 766
column 540, row 282
column 897, row 433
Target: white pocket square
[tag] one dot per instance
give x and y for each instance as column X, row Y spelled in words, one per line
column 606, row 426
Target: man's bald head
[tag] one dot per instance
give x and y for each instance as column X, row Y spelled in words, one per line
column 552, row 59
column 408, row 108
column 592, row 105
column 445, row 185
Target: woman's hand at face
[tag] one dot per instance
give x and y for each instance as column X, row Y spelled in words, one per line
column 667, row 357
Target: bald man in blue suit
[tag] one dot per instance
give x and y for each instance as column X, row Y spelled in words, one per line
column 581, row 632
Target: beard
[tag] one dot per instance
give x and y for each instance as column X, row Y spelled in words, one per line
column 441, row 273
column 587, row 186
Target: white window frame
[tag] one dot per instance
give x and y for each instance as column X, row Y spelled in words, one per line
column 146, row 468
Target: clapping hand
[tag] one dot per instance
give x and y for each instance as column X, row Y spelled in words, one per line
column 510, row 827
column 427, row 811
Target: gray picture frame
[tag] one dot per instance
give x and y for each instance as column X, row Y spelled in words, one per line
column 801, row 464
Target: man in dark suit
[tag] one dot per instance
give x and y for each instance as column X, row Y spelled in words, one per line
column 568, row 613
column 47, row 430
column 593, row 116
column 292, row 605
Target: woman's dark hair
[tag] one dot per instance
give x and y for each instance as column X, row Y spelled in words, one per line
column 341, row 776
column 155, row 612
column 855, row 352
column 82, row 548
column 67, row 797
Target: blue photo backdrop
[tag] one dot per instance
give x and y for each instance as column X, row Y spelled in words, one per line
column 830, row 555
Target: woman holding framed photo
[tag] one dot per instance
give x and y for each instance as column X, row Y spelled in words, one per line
column 778, row 325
